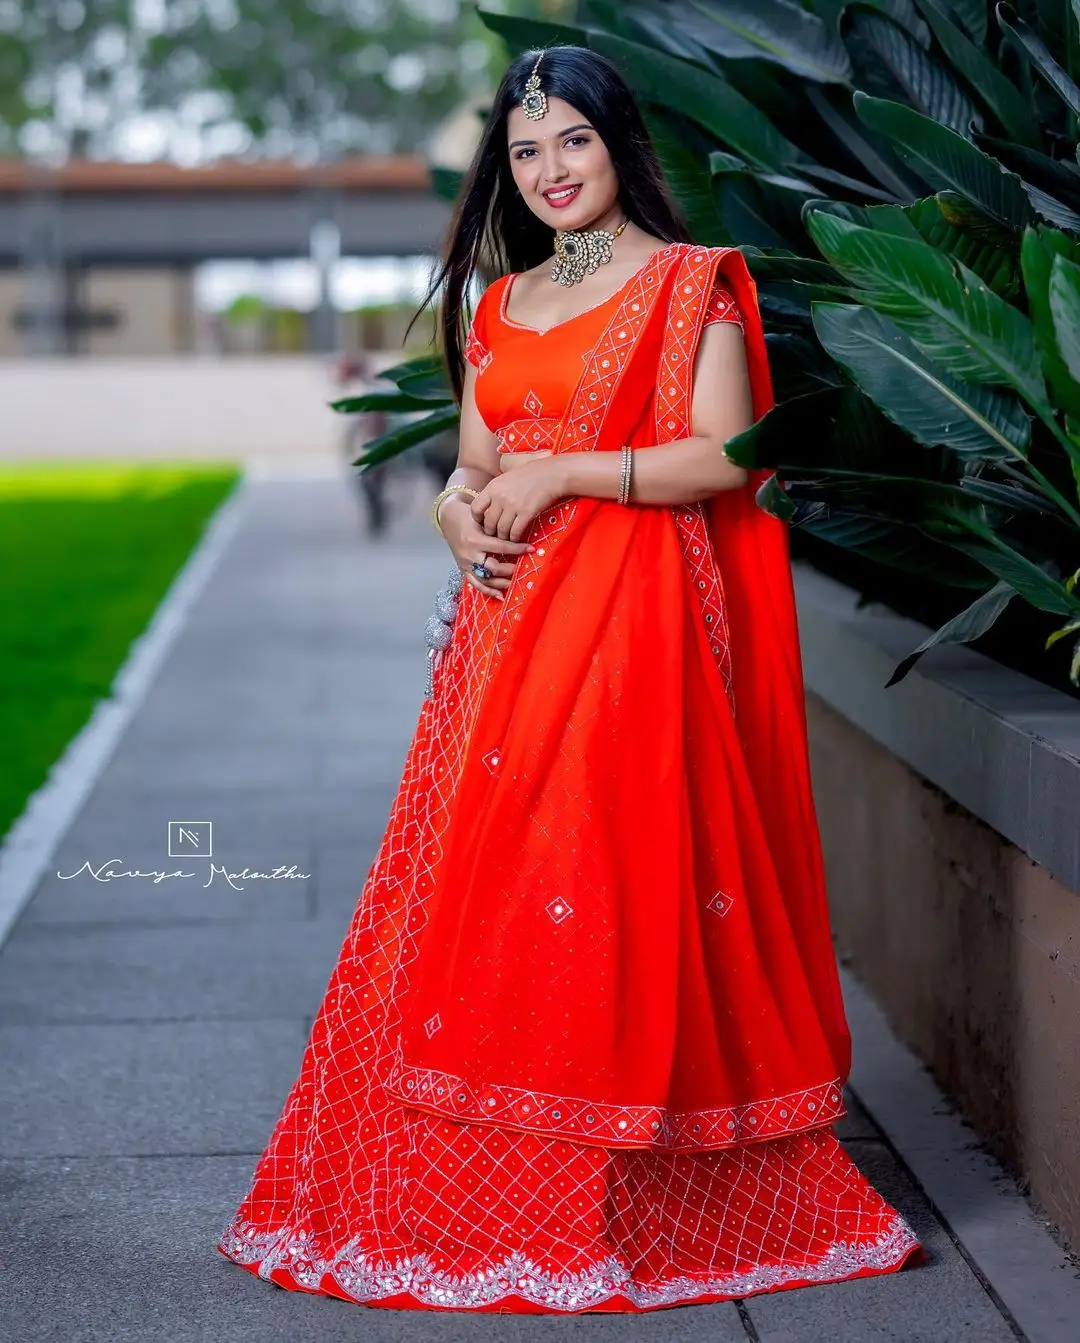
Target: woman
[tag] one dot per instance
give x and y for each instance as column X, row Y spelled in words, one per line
column 584, row 1046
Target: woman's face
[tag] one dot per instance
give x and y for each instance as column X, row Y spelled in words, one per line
column 561, row 166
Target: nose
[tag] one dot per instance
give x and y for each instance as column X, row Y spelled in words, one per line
column 552, row 167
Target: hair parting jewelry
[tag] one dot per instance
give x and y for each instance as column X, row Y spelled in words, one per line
column 535, row 104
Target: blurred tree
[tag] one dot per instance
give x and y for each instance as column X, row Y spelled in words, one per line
column 197, row 79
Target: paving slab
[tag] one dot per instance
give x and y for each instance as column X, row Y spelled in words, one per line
column 857, row 1122
column 146, row 1088
column 923, row 1303
column 184, row 970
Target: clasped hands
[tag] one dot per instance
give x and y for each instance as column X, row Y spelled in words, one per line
column 528, row 483
column 491, row 526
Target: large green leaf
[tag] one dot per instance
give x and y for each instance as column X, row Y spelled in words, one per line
column 768, row 30
column 772, row 497
column 1052, row 187
column 875, row 157
column 1065, row 310
column 951, row 224
column 610, row 16
column 838, row 425
column 1040, row 247
column 424, row 376
column 900, row 546
column 710, row 101
column 521, row 33
column 1048, row 207
column 782, row 312
column 1036, row 50
column 1014, row 497
column 447, row 182
column 757, row 211
column 1072, row 429
column 391, row 402
column 785, row 265
column 428, row 386
column 941, row 508
column 952, row 315
column 886, row 218
column 1001, row 96
column 1022, row 573
column 888, row 60
column 798, row 365
column 1057, row 176
column 641, row 23
column 407, row 436
column 814, row 172
column 770, row 88
column 687, row 174
column 720, row 162
column 946, row 159
column 889, row 219
column 973, row 15
column 902, row 12
column 971, row 420
column 971, row 623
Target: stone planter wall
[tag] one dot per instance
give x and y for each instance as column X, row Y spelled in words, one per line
column 950, row 816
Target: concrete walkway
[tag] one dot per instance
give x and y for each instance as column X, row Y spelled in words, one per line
column 149, row 1032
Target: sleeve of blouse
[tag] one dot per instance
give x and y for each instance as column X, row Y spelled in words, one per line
column 476, row 346
column 722, row 308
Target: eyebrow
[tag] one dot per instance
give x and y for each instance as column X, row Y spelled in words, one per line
column 581, row 126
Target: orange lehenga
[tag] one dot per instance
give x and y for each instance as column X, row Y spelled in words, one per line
column 584, row 1045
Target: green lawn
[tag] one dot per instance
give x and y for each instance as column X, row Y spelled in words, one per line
column 87, row 550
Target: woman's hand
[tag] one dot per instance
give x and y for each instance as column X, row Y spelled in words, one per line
column 529, row 483
column 470, row 545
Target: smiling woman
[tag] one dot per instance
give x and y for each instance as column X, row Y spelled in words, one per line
column 584, row 1046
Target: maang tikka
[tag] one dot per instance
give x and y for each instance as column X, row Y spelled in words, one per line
column 535, row 103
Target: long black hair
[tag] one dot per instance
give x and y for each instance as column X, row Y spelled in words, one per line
column 492, row 226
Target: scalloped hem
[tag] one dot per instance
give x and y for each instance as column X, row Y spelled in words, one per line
column 516, row 1286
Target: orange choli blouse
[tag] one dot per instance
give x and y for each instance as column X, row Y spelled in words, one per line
column 527, row 375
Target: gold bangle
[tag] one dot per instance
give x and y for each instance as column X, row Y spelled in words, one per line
column 445, row 494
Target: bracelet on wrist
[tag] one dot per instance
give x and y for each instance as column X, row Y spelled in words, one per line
column 441, row 498
column 625, row 472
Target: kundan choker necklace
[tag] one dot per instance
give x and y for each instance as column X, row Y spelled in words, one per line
column 578, row 252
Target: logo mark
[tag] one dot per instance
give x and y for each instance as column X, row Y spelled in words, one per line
column 191, row 839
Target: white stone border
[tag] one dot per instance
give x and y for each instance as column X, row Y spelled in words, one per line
column 1004, row 746
column 31, row 842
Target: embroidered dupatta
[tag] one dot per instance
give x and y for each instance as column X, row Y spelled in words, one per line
column 628, row 940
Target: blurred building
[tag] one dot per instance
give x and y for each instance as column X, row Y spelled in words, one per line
column 103, row 258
